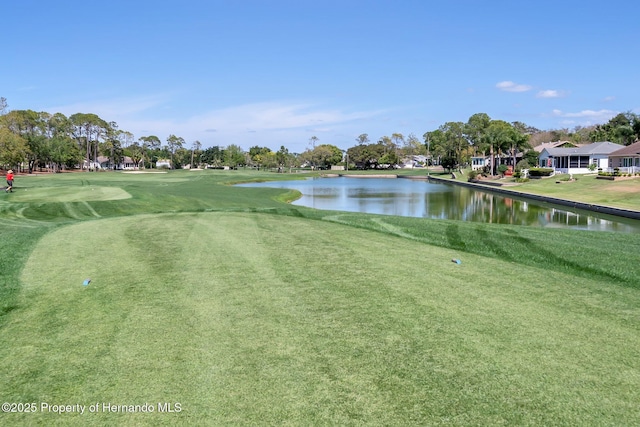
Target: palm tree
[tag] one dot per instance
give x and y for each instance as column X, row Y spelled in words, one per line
column 519, row 142
column 495, row 137
column 195, row 147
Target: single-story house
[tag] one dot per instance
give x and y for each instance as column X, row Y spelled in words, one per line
column 479, row 162
column 577, row 160
column 627, row 159
column 413, row 161
column 126, row 164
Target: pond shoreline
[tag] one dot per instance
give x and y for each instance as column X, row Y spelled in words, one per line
column 391, row 176
column 608, row 210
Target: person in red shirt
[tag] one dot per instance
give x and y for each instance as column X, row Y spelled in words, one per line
column 9, row 188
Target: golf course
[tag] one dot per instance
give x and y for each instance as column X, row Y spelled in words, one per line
column 178, row 299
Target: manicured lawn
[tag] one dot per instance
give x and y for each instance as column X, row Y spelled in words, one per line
column 622, row 194
column 248, row 311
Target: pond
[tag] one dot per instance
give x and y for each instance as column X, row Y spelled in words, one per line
column 423, row 199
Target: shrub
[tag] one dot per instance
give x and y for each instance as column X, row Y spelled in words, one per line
column 522, row 164
column 540, row 171
column 449, row 163
column 472, row 175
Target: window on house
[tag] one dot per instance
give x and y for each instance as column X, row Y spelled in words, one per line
column 573, row 161
column 584, row 162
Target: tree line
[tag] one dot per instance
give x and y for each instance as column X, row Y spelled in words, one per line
column 57, row 142
column 54, row 141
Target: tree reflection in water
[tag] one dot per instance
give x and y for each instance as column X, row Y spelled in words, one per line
column 422, row 199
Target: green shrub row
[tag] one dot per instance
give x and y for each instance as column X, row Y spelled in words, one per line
column 540, row 172
column 616, row 172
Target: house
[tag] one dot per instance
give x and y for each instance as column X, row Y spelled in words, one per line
column 480, row 162
column 91, row 165
column 126, row 164
column 163, row 163
column 413, row 162
column 627, row 159
column 578, row 160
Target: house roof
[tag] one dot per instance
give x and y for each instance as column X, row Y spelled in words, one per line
column 104, row 159
column 629, row 150
column 554, row 144
column 603, row 147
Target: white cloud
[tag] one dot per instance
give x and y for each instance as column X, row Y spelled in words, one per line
column 587, row 117
column 272, row 116
column 112, row 109
column 277, row 123
column 509, row 86
column 608, row 98
column 549, row 94
column 320, row 130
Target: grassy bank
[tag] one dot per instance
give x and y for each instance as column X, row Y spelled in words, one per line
column 246, row 310
column 623, row 194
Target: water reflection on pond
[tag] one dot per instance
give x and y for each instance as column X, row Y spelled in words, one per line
column 422, row 199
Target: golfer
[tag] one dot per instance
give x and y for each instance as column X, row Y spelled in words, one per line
column 9, row 188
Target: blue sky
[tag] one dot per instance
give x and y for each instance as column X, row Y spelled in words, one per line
column 277, row 72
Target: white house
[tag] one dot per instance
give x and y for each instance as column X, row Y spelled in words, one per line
column 480, row 162
column 577, row 160
column 91, row 165
column 413, row 161
column 163, row 163
column 126, row 164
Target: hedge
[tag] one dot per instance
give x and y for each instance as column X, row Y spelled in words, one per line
column 540, row 172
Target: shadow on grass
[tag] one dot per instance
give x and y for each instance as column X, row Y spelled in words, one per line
column 572, row 252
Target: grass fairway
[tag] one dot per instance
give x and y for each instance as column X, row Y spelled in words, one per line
column 247, row 311
column 67, row 194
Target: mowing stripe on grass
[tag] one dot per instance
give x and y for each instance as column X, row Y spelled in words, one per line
column 248, row 318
